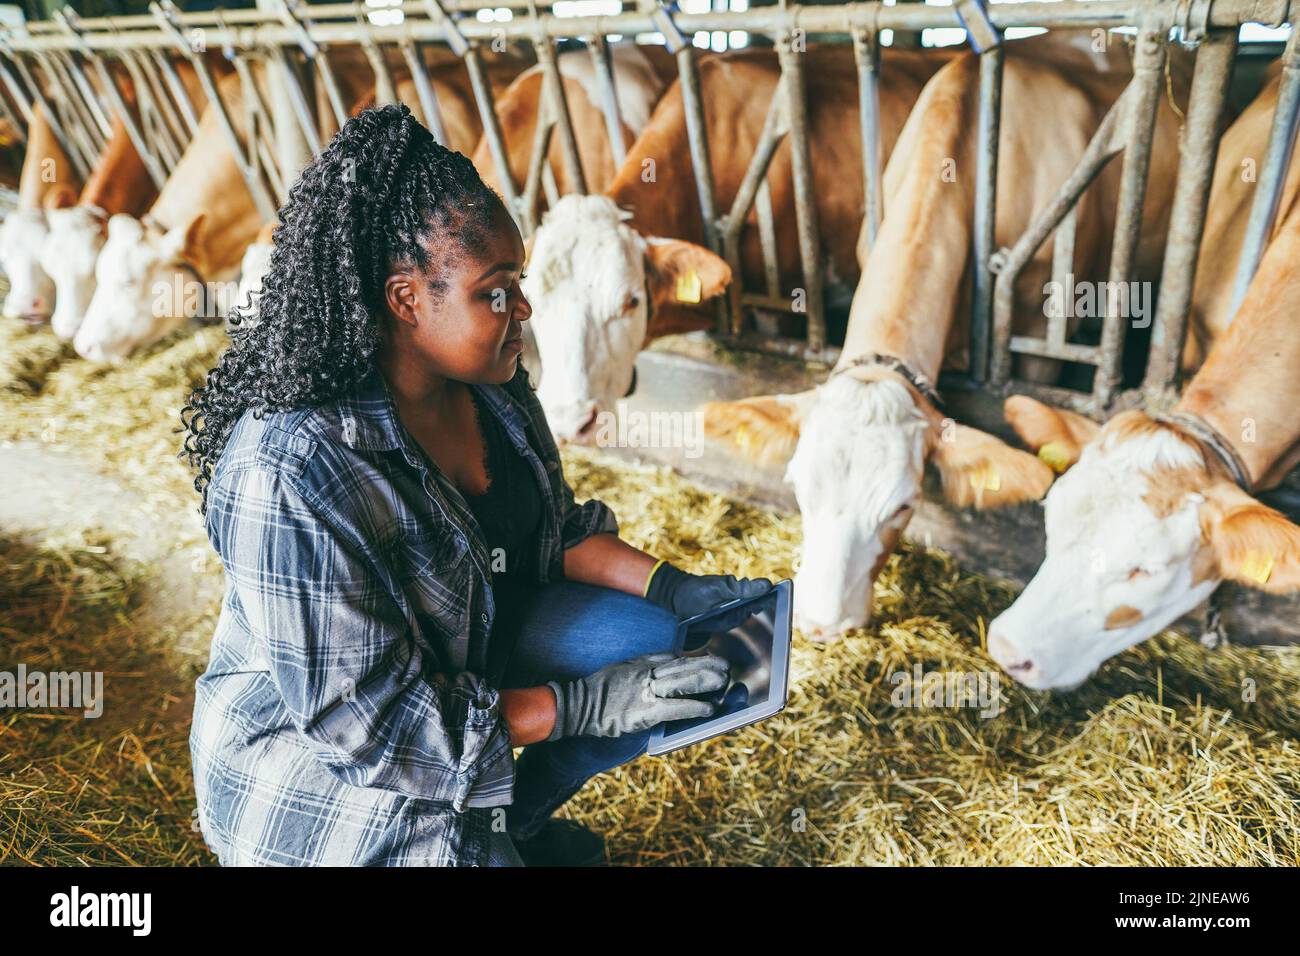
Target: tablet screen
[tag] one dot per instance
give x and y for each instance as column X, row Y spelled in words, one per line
column 756, row 649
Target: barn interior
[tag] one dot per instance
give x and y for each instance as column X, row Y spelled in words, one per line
column 1176, row 753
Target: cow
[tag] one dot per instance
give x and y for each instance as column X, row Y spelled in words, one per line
column 857, row 445
column 594, row 310
column 195, row 232
column 119, row 184
column 1154, row 511
column 47, row 182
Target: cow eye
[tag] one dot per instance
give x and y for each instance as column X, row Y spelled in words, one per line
column 631, row 302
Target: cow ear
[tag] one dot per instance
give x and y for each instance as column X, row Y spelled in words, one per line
column 764, row 429
column 982, row 470
column 59, row 197
column 683, row 273
column 1253, row 544
column 182, row 242
column 1057, row 435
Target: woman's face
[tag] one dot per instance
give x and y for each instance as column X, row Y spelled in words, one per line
column 464, row 317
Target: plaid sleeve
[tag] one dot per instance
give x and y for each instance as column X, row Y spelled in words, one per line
column 344, row 659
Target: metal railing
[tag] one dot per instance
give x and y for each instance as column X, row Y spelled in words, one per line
column 47, row 64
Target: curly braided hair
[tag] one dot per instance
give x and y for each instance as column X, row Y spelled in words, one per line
column 382, row 193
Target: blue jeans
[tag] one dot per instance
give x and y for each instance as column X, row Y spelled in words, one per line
column 561, row 631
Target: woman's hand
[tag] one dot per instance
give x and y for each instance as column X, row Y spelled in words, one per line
column 686, row 595
column 635, row 695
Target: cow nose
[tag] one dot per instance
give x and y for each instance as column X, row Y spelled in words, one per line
column 1010, row 658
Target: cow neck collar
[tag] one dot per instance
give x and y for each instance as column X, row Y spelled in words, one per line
column 148, row 220
column 893, row 363
column 1212, row 438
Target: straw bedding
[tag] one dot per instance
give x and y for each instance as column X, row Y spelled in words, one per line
column 1172, row 755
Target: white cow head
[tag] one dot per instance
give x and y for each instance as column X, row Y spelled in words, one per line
column 68, row 256
column 143, row 291
column 31, row 290
column 860, row 447
column 587, row 280
column 1143, row 526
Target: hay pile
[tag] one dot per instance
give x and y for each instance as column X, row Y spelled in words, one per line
column 114, row 789
column 1172, row 755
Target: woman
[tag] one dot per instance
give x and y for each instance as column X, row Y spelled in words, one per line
column 411, row 589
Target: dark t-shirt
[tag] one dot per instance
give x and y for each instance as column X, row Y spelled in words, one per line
column 509, row 513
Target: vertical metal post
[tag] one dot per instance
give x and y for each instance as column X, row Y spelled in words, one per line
column 1139, row 123
column 602, row 63
column 866, row 52
column 1273, row 173
column 805, row 199
column 986, row 197
column 424, row 90
column 560, row 112
column 1200, row 149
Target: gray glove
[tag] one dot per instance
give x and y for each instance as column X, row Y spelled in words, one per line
column 636, row 695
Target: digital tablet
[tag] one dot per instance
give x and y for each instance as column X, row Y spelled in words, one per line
column 758, row 650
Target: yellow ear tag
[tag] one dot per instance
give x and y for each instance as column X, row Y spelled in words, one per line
column 1056, row 455
column 741, row 436
column 689, row 287
column 1258, row 566
column 986, row 478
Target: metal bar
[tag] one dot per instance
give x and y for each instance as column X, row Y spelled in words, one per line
column 151, row 163
column 560, row 114
column 986, row 194
column 326, row 73
column 1213, row 73
column 424, row 91
column 80, row 153
column 733, row 223
column 162, row 102
column 297, row 99
column 1068, row 351
column 866, row 52
column 259, row 117
column 1147, row 84
column 180, row 96
column 259, row 28
column 487, row 112
column 19, row 127
column 16, row 92
column 538, row 158
column 1062, row 272
column 161, row 144
column 163, row 12
column 602, row 63
column 1007, row 264
column 1273, row 174
column 83, row 123
column 805, row 199
column 384, row 91
column 767, row 240
column 92, row 103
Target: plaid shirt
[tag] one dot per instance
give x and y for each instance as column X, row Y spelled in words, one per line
column 343, row 717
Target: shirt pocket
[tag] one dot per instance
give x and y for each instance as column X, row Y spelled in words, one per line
column 429, row 552
column 435, row 576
